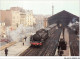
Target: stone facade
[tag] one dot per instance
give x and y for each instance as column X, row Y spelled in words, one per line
column 2, row 28
column 6, row 16
column 30, row 20
column 16, row 16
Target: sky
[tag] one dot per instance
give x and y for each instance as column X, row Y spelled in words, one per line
column 43, row 7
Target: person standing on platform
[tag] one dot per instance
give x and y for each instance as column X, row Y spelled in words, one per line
column 25, row 38
column 6, row 51
column 23, row 43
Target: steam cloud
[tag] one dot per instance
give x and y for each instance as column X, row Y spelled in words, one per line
column 19, row 33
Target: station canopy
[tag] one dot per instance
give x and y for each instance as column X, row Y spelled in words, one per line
column 63, row 17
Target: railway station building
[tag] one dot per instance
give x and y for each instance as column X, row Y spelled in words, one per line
column 63, row 18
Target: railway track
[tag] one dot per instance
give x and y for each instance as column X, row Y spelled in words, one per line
column 48, row 48
column 74, row 43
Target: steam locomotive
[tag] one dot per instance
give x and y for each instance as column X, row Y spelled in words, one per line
column 41, row 36
column 75, row 28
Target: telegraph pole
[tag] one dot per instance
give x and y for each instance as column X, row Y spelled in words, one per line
column 52, row 9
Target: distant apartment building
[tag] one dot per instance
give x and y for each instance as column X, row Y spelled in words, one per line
column 16, row 16
column 41, row 21
column 2, row 28
column 23, row 18
column 30, row 19
column 10, row 17
column 45, row 22
column 19, row 16
column 6, row 16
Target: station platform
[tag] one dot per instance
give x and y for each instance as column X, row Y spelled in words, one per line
column 17, row 48
column 66, row 37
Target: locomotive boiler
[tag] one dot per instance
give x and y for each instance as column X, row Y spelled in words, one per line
column 38, row 38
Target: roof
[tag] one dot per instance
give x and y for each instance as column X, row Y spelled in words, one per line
column 62, row 16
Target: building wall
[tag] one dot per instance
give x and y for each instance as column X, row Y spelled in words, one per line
column 40, row 21
column 23, row 18
column 6, row 16
column 45, row 22
column 2, row 28
column 30, row 20
column 10, row 17
column 15, row 18
column 21, row 14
